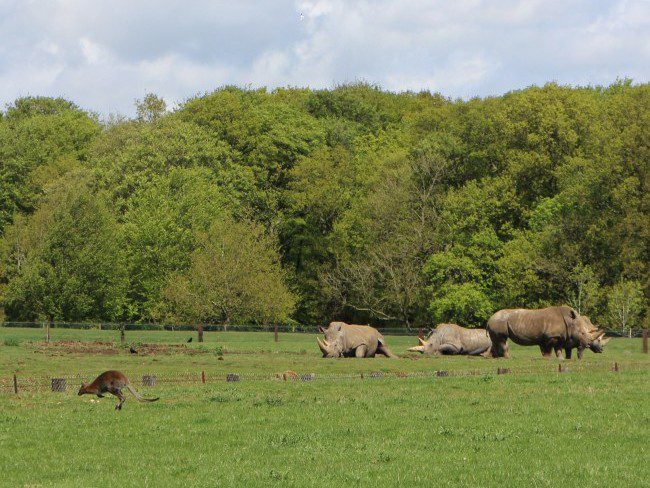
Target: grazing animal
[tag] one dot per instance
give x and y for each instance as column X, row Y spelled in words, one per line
column 346, row 340
column 112, row 382
column 133, row 350
column 453, row 339
column 549, row 328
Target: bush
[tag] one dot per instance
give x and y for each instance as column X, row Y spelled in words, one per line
column 11, row 341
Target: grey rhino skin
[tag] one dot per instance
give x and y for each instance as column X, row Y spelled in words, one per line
column 453, row 339
column 549, row 328
column 347, row 340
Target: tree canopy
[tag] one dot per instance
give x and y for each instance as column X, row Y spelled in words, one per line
column 404, row 209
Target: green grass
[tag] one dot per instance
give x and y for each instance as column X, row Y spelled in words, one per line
column 535, row 427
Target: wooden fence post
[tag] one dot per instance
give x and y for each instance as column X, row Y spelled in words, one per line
column 122, row 336
column 58, row 384
column 275, row 332
column 200, row 332
column 203, row 377
column 15, row 385
column 615, row 367
column 47, row 331
column 645, row 341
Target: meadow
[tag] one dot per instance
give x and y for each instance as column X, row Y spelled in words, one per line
column 588, row 426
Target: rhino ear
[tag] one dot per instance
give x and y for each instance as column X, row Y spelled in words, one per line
column 573, row 314
column 321, row 330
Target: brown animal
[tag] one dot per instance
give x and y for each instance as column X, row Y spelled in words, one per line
column 288, row 375
column 112, row 382
column 549, row 328
column 347, row 340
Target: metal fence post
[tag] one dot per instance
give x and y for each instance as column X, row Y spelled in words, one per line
column 275, row 331
column 200, row 332
column 645, row 341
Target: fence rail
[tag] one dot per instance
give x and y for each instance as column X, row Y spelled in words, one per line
column 309, row 329
column 43, row 383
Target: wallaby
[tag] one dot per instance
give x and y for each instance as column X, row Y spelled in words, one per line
column 112, row 382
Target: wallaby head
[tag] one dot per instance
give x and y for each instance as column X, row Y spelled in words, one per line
column 83, row 389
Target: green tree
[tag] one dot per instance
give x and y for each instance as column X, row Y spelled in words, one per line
column 235, row 277
column 150, row 108
column 625, row 304
column 65, row 262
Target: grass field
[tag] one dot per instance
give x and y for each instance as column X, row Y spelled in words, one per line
column 534, row 427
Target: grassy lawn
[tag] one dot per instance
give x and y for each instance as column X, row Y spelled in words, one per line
column 535, row 427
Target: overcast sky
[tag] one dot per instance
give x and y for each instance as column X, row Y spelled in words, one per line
column 105, row 54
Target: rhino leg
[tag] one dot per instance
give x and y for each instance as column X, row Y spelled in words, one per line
column 499, row 346
column 448, row 349
column 568, row 351
column 360, row 351
column 546, row 350
column 580, row 351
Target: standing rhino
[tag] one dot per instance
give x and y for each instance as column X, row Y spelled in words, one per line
column 346, row 340
column 454, row 339
column 549, row 328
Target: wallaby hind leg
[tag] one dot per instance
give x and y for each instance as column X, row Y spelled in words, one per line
column 118, row 393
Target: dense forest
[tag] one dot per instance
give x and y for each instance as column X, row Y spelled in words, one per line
column 301, row 206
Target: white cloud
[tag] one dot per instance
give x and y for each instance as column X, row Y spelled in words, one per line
column 106, row 56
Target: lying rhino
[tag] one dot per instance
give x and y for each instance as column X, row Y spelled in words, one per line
column 454, row 339
column 549, row 328
column 346, row 340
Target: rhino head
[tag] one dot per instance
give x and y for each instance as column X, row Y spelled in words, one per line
column 430, row 346
column 585, row 332
column 332, row 345
column 595, row 336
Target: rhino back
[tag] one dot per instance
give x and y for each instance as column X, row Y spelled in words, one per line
column 476, row 341
column 358, row 335
column 528, row 327
column 470, row 341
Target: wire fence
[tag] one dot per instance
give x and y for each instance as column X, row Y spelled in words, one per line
column 70, row 382
column 296, row 328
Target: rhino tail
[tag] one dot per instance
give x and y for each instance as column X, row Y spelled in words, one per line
column 383, row 349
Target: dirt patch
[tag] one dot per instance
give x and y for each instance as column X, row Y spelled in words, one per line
column 60, row 348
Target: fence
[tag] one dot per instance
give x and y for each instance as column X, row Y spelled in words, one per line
column 300, row 328
column 70, row 383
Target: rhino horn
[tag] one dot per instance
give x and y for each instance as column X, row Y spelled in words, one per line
column 597, row 334
column 605, row 340
column 422, row 341
column 417, row 349
column 322, row 346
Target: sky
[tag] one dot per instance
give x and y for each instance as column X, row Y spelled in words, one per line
column 104, row 55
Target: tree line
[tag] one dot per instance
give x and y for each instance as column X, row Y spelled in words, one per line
column 297, row 205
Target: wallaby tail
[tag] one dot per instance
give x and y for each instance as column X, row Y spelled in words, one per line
column 137, row 395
